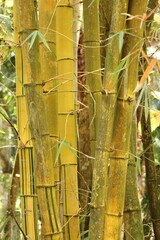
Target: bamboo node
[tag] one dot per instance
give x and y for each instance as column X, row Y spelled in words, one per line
column 104, row 92
column 28, row 195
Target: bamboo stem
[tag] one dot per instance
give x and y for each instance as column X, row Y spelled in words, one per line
column 122, row 128
column 67, row 119
column 100, row 172
column 132, row 210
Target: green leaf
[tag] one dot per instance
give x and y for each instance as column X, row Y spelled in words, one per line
column 140, row 98
column 118, row 69
column 6, row 21
column 27, row 38
column 44, row 40
column 121, row 37
column 66, row 144
column 35, row 33
column 146, row 105
column 139, row 165
column 59, row 151
column 83, row 233
column 4, row 223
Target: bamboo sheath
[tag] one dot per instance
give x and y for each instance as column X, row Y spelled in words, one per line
column 67, row 119
column 47, row 26
column 37, row 122
column 132, row 210
column 25, row 152
column 122, row 128
column 106, row 123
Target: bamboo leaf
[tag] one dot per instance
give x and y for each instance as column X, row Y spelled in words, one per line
column 146, row 74
column 140, row 98
column 119, row 68
column 58, row 151
column 139, row 165
column 121, row 37
column 146, row 107
column 68, row 146
column 4, row 223
column 27, row 38
column 33, row 39
column 44, row 40
column 5, row 19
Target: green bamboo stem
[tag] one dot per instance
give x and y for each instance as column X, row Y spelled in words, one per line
column 26, row 161
column 122, row 128
column 105, row 14
column 106, row 124
column 92, row 65
column 132, row 210
column 51, row 228
column 151, row 176
column 47, row 26
column 67, row 119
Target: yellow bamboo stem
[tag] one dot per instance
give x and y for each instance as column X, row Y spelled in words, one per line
column 51, row 228
column 27, row 175
column 47, row 26
column 67, row 119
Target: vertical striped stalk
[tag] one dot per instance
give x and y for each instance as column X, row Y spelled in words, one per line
column 106, row 123
column 37, row 122
column 67, row 118
column 92, row 65
column 151, row 176
column 47, row 26
column 132, row 210
column 93, row 72
column 122, row 128
column 25, row 152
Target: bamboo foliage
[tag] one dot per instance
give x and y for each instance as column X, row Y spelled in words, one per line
column 106, row 123
column 122, row 128
column 25, row 152
column 67, row 119
column 37, row 122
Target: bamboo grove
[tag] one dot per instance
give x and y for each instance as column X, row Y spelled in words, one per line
column 78, row 159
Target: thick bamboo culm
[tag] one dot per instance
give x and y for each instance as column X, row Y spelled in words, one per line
column 122, row 128
column 132, row 210
column 106, row 123
column 25, row 151
column 67, row 119
column 47, row 26
column 44, row 176
column 92, row 65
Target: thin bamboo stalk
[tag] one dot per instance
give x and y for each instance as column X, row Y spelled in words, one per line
column 67, row 119
column 47, row 26
column 44, row 177
column 92, row 65
column 132, row 210
column 26, row 161
column 151, row 176
column 122, row 128
column 106, row 124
